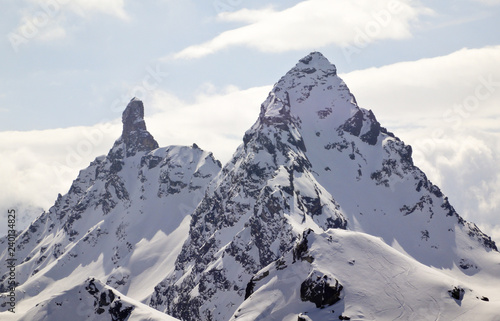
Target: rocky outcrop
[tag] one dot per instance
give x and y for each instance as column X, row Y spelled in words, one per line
column 135, row 137
column 106, row 301
column 320, row 290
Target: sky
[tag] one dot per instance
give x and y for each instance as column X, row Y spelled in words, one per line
column 429, row 70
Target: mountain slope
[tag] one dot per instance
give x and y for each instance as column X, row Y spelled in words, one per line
column 123, row 220
column 314, row 159
column 367, row 279
column 94, row 301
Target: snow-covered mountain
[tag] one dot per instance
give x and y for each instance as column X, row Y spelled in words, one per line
column 122, row 222
column 313, row 160
column 320, row 214
column 92, row 301
column 341, row 274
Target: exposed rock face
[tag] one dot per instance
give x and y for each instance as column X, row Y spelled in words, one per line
column 135, row 137
column 136, row 193
column 91, row 300
column 320, row 290
column 342, row 274
column 457, row 293
column 105, row 301
column 300, row 250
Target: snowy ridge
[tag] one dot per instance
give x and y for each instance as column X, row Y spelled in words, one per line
column 93, row 300
column 123, row 220
column 367, row 279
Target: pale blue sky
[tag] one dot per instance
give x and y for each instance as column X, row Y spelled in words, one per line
column 81, row 58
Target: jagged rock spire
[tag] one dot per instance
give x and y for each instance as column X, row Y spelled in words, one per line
column 135, row 136
column 315, row 60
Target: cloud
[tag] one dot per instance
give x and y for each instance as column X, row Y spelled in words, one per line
column 247, row 15
column 452, row 91
column 40, row 26
column 109, row 7
column 465, row 164
column 216, row 120
column 314, row 24
column 447, row 109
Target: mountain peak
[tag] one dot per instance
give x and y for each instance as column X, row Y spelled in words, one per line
column 311, row 90
column 135, row 136
column 133, row 118
column 315, row 61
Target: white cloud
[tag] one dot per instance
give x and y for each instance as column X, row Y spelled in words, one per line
column 447, row 109
column 38, row 25
column 314, row 24
column 466, row 165
column 453, row 91
column 110, row 7
column 216, row 121
column 247, row 15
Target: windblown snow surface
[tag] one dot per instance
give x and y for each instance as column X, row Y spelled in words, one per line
column 92, row 301
column 377, row 283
